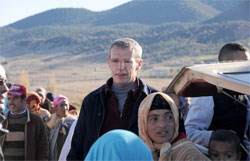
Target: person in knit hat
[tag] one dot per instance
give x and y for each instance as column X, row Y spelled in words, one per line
column 33, row 100
column 162, row 129
column 59, row 124
column 45, row 102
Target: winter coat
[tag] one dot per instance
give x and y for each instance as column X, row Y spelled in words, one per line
column 91, row 119
column 36, row 141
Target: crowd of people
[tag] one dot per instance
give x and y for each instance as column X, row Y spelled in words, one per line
column 124, row 119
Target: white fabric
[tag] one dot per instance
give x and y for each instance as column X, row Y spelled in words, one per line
column 67, row 143
column 198, row 120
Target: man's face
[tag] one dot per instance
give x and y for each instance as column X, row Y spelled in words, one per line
column 161, row 125
column 223, row 151
column 62, row 109
column 15, row 103
column 123, row 66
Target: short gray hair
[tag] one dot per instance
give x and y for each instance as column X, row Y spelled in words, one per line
column 133, row 45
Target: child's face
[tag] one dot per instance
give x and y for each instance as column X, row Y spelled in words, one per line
column 223, row 151
column 161, row 125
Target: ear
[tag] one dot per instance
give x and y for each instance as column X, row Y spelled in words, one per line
column 139, row 64
column 108, row 60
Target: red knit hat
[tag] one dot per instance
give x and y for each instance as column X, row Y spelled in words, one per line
column 33, row 100
column 33, row 96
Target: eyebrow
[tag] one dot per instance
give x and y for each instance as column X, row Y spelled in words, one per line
column 165, row 113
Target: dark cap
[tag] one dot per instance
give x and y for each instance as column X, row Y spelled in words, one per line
column 159, row 103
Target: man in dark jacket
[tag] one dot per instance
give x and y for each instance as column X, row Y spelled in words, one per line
column 115, row 104
column 27, row 137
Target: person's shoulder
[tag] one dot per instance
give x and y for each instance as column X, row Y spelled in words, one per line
column 147, row 87
column 71, row 117
column 97, row 91
column 47, row 101
column 35, row 118
column 44, row 111
column 150, row 89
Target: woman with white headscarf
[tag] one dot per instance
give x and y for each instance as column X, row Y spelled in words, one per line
column 162, row 129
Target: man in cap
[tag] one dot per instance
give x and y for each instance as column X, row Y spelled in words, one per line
column 27, row 138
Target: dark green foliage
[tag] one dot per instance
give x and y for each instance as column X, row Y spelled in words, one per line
column 154, row 23
column 142, row 11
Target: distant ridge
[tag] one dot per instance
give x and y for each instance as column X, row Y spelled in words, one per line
column 165, row 28
column 239, row 12
column 157, row 12
column 137, row 11
column 222, row 5
column 61, row 16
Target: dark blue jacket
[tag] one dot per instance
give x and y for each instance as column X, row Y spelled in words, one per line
column 91, row 118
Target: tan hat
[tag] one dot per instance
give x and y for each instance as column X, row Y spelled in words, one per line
column 41, row 91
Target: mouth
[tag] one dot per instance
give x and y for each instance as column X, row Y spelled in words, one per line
column 162, row 133
column 120, row 74
column 11, row 106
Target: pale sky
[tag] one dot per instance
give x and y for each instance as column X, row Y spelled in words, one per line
column 14, row 10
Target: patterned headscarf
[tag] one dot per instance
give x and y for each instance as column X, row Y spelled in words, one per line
column 59, row 99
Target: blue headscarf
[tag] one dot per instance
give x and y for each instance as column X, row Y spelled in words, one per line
column 119, row 145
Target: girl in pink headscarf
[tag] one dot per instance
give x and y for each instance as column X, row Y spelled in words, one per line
column 59, row 125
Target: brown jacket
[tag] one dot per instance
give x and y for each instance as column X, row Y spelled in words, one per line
column 36, row 142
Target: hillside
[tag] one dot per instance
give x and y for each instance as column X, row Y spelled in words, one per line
column 147, row 12
column 165, row 40
column 157, row 12
column 61, row 16
column 239, row 12
column 222, row 5
column 69, row 46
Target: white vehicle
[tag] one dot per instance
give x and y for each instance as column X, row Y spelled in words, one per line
column 206, row 79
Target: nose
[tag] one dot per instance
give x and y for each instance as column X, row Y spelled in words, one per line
column 121, row 65
column 221, row 158
column 162, row 123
